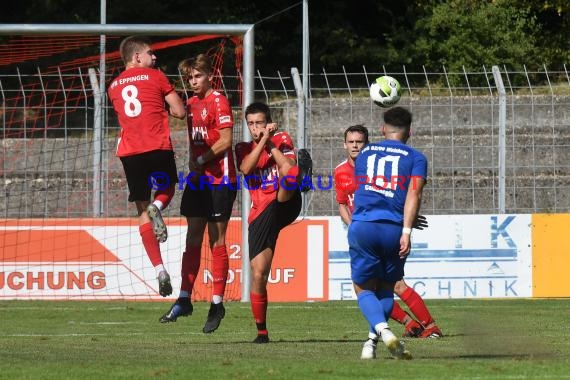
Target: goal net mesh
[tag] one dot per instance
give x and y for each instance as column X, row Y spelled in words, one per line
column 54, row 242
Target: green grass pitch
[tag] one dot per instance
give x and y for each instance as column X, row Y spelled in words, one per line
column 484, row 339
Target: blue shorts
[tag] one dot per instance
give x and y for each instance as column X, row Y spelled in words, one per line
column 373, row 249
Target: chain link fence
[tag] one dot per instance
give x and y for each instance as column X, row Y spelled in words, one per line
column 47, row 167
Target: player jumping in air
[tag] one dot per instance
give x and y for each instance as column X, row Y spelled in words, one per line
column 138, row 95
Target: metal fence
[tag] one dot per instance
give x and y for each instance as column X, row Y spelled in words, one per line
column 47, row 167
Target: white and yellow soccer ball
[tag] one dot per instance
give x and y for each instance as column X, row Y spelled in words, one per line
column 385, row 91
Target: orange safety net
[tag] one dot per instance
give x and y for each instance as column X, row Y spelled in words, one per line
column 38, row 102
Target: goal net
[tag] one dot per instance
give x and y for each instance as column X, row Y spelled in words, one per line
column 67, row 230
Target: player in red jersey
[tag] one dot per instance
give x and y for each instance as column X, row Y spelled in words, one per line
column 355, row 138
column 144, row 147
column 273, row 176
column 209, row 196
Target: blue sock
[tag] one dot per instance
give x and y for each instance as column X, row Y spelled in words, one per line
column 371, row 307
column 386, row 298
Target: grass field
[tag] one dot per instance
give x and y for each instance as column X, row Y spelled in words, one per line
column 485, row 339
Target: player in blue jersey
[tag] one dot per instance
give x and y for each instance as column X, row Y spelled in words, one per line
column 390, row 176
column 356, row 138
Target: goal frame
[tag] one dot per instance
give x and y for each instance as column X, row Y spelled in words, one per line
column 244, row 30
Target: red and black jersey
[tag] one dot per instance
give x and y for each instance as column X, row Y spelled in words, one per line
column 206, row 117
column 263, row 182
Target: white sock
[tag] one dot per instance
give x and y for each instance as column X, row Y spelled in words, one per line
column 381, row 326
column 372, row 336
column 158, row 204
column 184, row 294
column 217, row 299
column 159, row 268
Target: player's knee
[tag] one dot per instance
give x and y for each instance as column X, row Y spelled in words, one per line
column 258, row 278
column 284, row 195
column 400, row 287
column 284, row 169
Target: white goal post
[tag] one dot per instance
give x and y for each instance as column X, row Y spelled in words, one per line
column 245, row 30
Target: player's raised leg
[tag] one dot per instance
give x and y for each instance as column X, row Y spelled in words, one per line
column 152, row 248
column 305, row 163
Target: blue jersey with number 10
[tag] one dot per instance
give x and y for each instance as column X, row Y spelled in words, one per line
column 384, row 171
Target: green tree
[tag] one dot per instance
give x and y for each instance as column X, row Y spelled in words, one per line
column 374, row 33
column 553, row 16
column 470, row 34
column 347, row 34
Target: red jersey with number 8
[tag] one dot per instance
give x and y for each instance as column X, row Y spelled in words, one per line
column 137, row 95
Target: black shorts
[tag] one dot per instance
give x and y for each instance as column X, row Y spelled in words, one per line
column 155, row 170
column 214, row 204
column 264, row 230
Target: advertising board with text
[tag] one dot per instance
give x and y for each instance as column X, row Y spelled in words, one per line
column 458, row 256
column 104, row 259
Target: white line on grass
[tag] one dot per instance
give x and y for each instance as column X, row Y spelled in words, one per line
column 109, row 323
column 74, row 335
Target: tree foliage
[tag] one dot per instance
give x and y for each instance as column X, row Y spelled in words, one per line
column 374, row 33
column 465, row 33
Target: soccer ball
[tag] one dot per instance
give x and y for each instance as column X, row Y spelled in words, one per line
column 385, row 91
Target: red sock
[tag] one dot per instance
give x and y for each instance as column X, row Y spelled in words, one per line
column 259, row 310
column 417, row 306
column 190, row 267
column 151, row 245
column 399, row 314
column 164, row 196
column 292, row 175
column 220, row 269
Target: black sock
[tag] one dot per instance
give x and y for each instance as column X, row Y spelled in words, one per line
column 261, row 328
